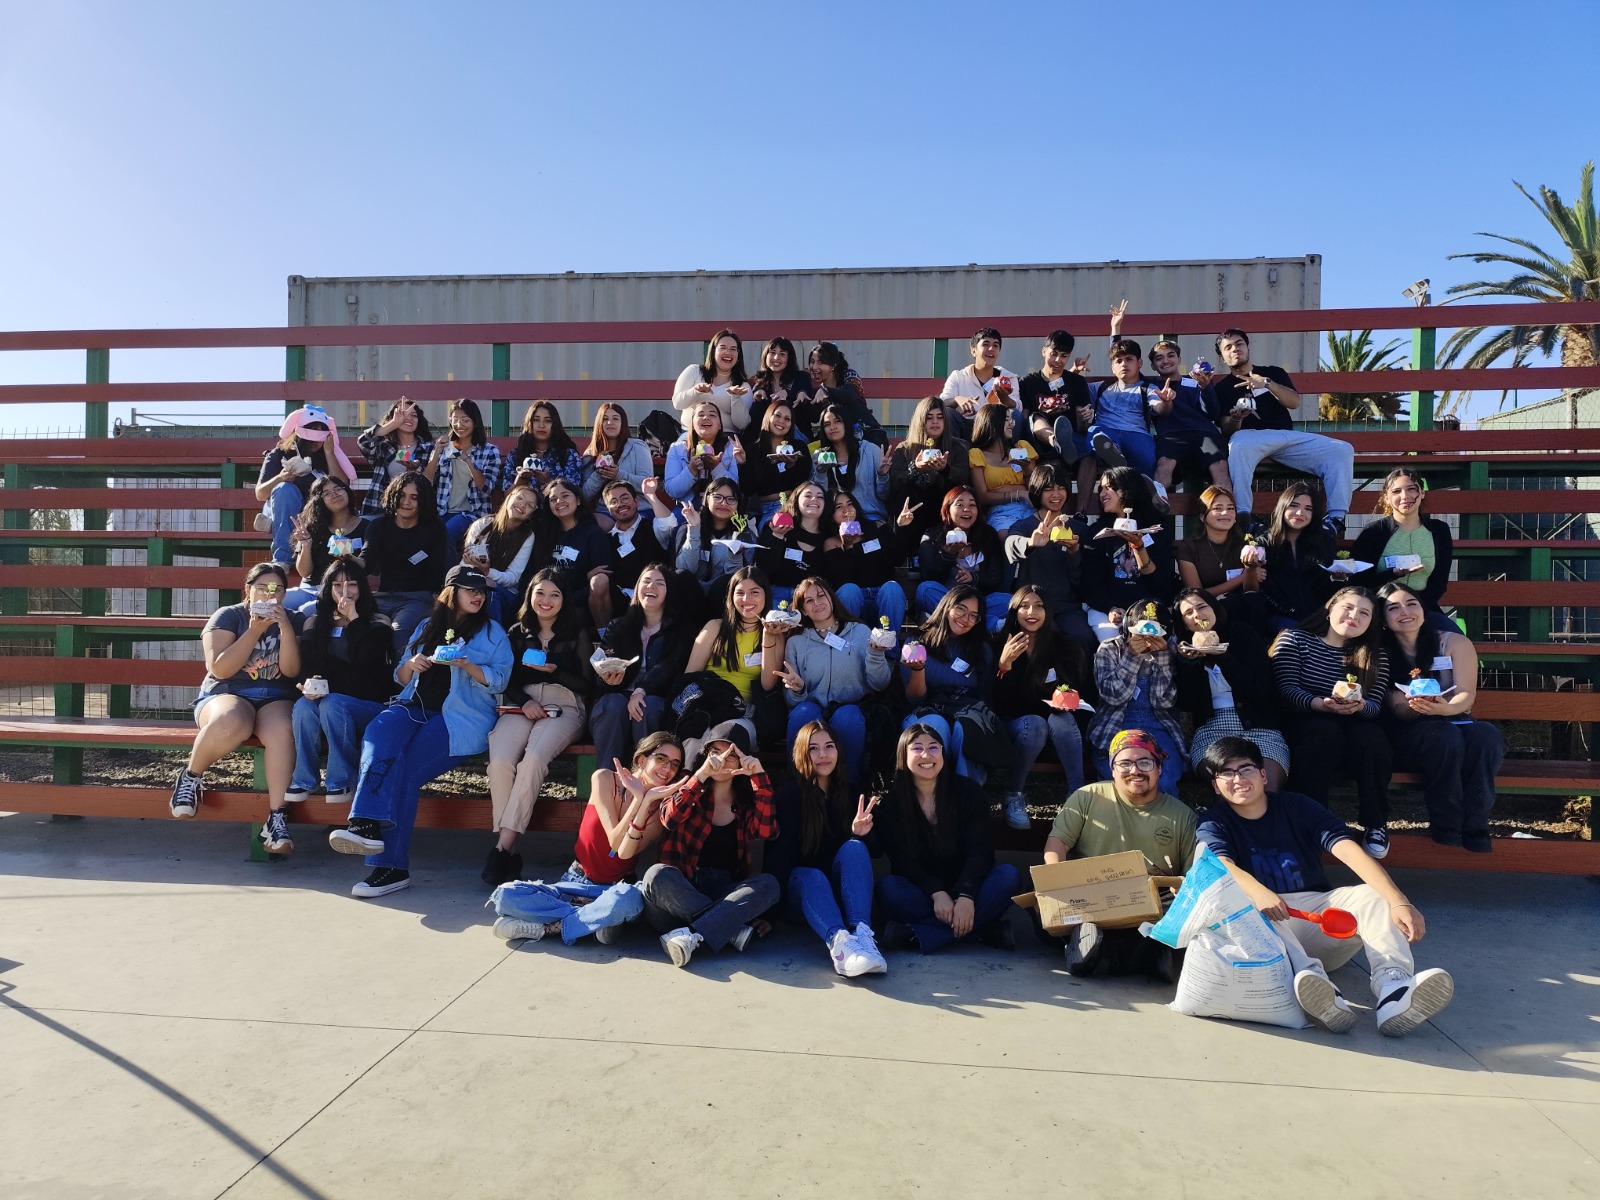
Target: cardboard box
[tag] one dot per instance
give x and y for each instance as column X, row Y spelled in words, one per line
column 1114, row 890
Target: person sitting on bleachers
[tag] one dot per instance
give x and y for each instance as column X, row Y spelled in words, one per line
column 720, row 380
column 252, row 657
column 635, row 543
column 407, row 553
column 1405, row 546
column 328, row 527
column 982, row 381
column 307, row 449
column 925, row 466
column 707, row 450
column 402, row 441
column 465, row 468
column 615, row 453
column 544, row 451
column 502, row 546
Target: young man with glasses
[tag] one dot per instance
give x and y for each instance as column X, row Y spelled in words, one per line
column 1272, row 844
column 1129, row 811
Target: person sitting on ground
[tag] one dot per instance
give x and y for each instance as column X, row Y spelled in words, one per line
column 943, row 883
column 407, row 553
column 1256, row 407
column 347, row 670
column 464, row 468
column 552, row 679
column 614, row 455
column 1134, row 675
column 400, row 442
column 720, row 379
column 1333, row 679
column 1404, row 546
column 703, row 889
column 1225, row 682
column 502, row 547
column 329, row 527
column 544, row 451
column 307, row 450
column 926, row 465
column 1127, row 811
column 819, row 858
column 983, row 381
column 1272, row 844
column 252, row 654
column 1431, row 727
column 1038, row 661
column 457, row 662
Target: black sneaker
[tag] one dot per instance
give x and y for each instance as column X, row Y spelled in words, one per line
column 998, row 935
column 1106, row 451
column 896, row 935
column 275, row 834
column 501, row 867
column 1477, row 843
column 1085, row 947
column 187, row 793
column 1335, row 527
column 381, row 882
column 361, row 836
column 1445, row 837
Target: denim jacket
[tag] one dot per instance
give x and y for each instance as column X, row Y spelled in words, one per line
column 471, row 708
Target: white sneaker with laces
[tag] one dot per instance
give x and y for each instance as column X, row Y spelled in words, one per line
column 1404, row 1002
column 840, row 947
column 187, row 793
column 345, row 797
column 296, row 796
column 275, row 834
column 514, row 929
column 742, row 939
column 680, row 945
column 868, row 944
column 1322, row 1002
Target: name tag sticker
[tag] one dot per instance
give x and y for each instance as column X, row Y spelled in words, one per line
column 1050, row 675
column 1057, row 384
column 628, row 592
column 753, row 660
column 417, row 557
column 705, row 556
column 336, row 631
column 1443, row 663
column 961, row 666
column 1188, row 383
column 834, row 640
column 782, row 466
column 1258, row 391
column 1232, row 575
column 870, row 547
column 625, row 546
column 794, row 555
column 567, row 554
column 1147, row 541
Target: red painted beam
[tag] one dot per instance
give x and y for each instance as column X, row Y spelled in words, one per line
column 130, row 498
column 841, row 329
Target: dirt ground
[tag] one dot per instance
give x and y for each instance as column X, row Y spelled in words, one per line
column 1539, row 816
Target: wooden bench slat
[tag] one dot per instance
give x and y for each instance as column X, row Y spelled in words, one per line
column 49, row 575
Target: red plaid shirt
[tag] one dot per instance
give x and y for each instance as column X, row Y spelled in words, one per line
column 687, row 819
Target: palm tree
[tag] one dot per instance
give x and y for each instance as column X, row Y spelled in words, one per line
column 1539, row 275
column 1354, row 351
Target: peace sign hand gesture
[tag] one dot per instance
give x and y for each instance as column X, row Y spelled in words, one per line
column 790, row 679
column 906, row 512
column 862, row 824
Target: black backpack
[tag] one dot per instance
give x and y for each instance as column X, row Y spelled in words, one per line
column 701, row 701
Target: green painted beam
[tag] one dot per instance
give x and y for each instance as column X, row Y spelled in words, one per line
column 941, row 358
column 294, row 371
column 500, row 410
column 96, row 413
column 1422, row 359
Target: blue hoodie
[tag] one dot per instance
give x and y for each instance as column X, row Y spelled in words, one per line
column 471, row 708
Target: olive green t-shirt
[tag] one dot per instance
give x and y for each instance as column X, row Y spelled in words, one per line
column 1093, row 821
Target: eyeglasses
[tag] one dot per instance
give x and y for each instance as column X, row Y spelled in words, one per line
column 666, row 760
column 1229, row 774
column 963, row 614
column 1128, row 765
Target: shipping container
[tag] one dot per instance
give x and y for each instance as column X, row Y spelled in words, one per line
column 727, row 298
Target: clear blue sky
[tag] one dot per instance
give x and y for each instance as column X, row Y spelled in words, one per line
column 170, row 164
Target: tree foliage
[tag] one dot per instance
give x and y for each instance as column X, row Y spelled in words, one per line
column 1354, row 351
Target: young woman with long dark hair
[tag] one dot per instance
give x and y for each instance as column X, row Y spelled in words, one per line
column 544, row 450
column 955, row 669
column 347, row 672
column 407, row 553
column 1000, row 467
column 464, row 468
column 502, row 546
column 706, row 451
column 1212, row 558
column 1431, row 726
column 782, row 379
column 721, row 379
column 777, row 460
column 306, row 450
column 926, row 465
column 963, row 549
column 860, row 562
column 841, row 461
column 1333, row 681
column 790, row 547
column 1121, row 570
column 1299, row 551
column 729, row 646
column 819, row 858
column 401, row 441
column 550, row 680
column 614, row 453
column 943, row 883
column 457, row 662
column 1046, row 549
column 328, row 527
column 658, row 630
column 578, row 549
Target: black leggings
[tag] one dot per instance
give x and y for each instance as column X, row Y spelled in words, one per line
column 1322, row 744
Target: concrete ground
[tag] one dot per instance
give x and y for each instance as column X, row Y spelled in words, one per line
column 178, row 1022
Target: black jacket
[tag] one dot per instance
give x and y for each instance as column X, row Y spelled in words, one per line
column 1246, row 668
column 952, row 856
column 368, row 671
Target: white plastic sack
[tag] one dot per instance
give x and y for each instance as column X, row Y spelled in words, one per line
column 1237, row 966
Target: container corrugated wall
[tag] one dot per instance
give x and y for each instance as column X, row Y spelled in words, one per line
column 720, row 298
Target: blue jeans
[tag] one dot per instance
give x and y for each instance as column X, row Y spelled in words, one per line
column 615, row 732
column 455, row 528
column 403, row 749
column 282, row 507
column 1330, row 459
column 849, row 731
column 903, row 900
column 885, row 600
column 406, row 610
column 1138, row 448
column 953, row 738
column 842, row 902
column 1003, row 516
column 994, row 604
column 1029, row 734
column 342, row 720
column 503, row 605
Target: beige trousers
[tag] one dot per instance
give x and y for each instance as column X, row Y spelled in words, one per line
column 520, row 751
column 1386, row 946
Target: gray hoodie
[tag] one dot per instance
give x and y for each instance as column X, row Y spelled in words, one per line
column 836, row 676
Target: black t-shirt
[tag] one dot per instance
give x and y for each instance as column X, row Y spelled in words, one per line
column 407, row 560
column 1270, row 414
column 1283, row 848
column 1033, row 388
column 721, row 849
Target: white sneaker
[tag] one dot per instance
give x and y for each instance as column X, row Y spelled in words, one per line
column 840, row 948
column 514, row 929
column 1322, row 1002
column 680, row 945
column 296, row 796
column 606, row 935
column 867, row 950
column 346, row 797
column 1404, row 1003
column 742, row 939
column 262, row 523
column 1017, row 811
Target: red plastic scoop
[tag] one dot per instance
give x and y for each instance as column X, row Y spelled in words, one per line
column 1335, row 922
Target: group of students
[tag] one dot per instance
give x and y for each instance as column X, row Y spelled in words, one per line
column 473, row 602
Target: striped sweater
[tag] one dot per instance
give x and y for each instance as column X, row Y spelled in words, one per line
column 1305, row 668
